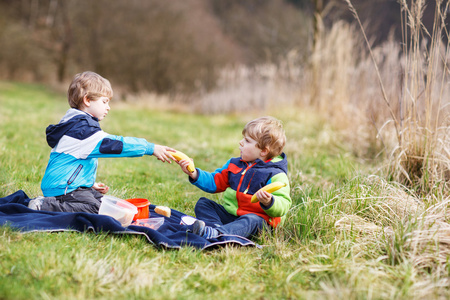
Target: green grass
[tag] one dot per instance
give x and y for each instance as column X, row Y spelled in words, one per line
column 311, row 257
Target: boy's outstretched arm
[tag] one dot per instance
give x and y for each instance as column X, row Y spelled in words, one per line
column 162, row 153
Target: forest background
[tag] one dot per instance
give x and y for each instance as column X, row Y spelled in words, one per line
column 174, row 46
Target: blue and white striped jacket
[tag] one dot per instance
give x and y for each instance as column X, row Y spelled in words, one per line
column 77, row 142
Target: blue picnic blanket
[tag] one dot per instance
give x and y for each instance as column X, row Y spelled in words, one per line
column 14, row 212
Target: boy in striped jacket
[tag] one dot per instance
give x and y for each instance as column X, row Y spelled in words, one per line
column 77, row 142
column 261, row 162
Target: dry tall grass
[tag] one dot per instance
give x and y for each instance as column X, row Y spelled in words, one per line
column 400, row 91
column 422, row 156
column 404, row 228
column 415, row 113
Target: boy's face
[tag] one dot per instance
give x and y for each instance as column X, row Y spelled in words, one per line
column 249, row 151
column 98, row 108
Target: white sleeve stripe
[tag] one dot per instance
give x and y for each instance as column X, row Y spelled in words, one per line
column 79, row 148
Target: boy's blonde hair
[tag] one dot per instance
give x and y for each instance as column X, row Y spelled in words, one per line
column 268, row 132
column 88, row 84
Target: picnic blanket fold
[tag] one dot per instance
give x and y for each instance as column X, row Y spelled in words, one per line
column 14, row 212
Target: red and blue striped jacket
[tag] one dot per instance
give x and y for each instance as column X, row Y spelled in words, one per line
column 239, row 180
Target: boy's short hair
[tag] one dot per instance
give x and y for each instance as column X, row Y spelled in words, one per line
column 267, row 132
column 88, row 84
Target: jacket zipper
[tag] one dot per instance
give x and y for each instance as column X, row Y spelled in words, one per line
column 242, row 177
column 73, row 177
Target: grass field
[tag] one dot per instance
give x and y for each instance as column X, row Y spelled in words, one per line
column 350, row 233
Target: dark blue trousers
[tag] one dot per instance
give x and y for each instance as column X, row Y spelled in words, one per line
column 215, row 215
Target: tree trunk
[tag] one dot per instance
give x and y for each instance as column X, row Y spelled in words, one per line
column 66, row 42
column 317, row 35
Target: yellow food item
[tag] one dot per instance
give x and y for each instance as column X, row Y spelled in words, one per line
column 270, row 188
column 163, row 210
column 181, row 156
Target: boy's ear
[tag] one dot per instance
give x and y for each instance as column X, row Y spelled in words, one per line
column 86, row 101
column 265, row 152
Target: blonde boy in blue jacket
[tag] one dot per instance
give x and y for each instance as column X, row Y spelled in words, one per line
column 77, row 142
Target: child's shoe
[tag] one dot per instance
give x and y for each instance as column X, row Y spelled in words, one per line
column 36, row 203
column 199, row 228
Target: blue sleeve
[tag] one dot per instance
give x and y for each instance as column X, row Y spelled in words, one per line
column 212, row 182
column 119, row 146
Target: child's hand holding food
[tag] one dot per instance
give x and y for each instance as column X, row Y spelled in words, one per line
column 264, row 197
column 186, row 163
column 185, row 166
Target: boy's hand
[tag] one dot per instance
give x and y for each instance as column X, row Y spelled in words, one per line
column 162, row 153
column 101, row 187
column 184, row 164
column 264, row 197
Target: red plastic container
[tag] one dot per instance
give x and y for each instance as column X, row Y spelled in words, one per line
column 142, row 206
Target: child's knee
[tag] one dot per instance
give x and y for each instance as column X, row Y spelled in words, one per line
column 202, row 202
